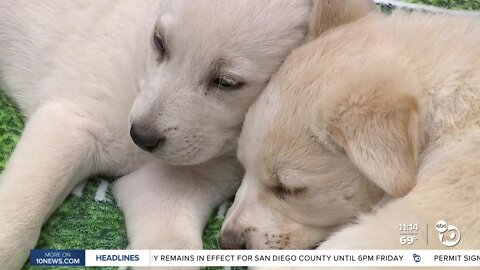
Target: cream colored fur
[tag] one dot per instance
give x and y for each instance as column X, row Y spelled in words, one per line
column 388, row 104
column 83, row 71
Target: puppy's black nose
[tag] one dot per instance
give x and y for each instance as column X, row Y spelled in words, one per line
column 146, row 139
column 232, row 240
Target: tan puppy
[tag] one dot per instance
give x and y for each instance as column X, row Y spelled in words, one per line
column 383, row 104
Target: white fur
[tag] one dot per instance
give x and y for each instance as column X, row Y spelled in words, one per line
column 75, row 69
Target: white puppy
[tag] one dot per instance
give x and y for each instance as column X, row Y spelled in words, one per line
column 386, row 103
column 75, row 69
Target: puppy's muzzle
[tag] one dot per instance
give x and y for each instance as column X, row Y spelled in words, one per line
column 146, row 139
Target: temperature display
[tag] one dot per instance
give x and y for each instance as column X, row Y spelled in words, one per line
column 408, row 239
column 408, row 233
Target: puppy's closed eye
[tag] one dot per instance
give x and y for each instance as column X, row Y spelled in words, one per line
column 283, row 192
column 226, row 83
column 159, row 45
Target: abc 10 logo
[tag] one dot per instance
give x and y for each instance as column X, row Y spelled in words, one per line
column 448, row 234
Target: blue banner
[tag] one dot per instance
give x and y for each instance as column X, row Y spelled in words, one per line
column 47, row 257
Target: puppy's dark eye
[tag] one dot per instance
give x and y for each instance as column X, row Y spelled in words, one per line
column 226, row 83
column 159, row 43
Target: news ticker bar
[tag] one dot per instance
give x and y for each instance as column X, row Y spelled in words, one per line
column 284, row 258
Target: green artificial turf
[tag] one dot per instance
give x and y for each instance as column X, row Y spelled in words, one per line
column 84, row 223
column 11, row 125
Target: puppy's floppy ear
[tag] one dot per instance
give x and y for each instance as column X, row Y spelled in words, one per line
column 376, row 123
column 328, row 14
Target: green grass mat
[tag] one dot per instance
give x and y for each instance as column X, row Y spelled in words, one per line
column 84, row 222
